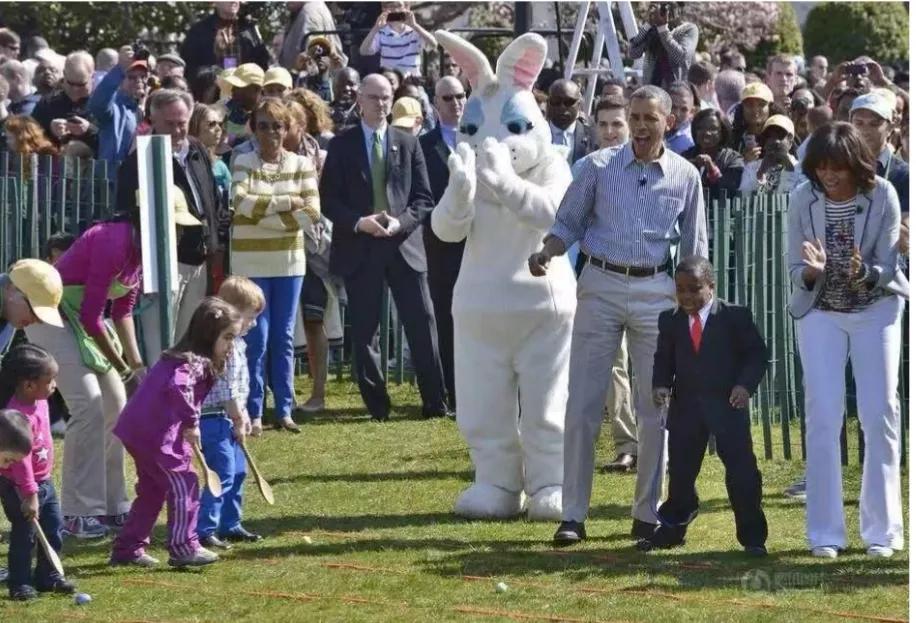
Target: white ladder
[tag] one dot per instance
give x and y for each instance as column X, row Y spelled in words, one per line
column 605, row 37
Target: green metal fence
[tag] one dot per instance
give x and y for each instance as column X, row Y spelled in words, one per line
column 42, row 195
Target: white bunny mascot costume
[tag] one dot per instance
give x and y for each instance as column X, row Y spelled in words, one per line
column 512, row 330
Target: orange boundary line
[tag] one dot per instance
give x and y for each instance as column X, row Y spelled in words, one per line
column 519, row 616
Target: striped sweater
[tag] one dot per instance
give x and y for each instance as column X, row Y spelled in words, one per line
column 267, row 236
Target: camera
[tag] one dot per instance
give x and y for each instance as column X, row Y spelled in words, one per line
column 397, row 16
column 858, row 69
column 141, row 53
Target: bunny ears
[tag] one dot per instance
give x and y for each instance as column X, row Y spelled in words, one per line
column 518, row 65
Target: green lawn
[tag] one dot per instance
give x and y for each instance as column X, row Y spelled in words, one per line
column 363, row 531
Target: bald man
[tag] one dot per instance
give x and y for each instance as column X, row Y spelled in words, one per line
column 443, row 258
column 374, row 188
column 564, row 100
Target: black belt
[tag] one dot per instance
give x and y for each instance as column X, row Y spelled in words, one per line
column 629, row 271
column 213, row 412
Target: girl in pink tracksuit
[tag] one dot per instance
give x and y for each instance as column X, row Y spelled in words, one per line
column 158, row 426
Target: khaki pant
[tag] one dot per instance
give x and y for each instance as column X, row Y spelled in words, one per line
column 610, row 304
column 191, row 290
column 619, row 405
column 93, row 465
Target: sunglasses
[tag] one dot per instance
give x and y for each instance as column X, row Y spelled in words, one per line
column 452, row 98
column 566, row 102
column 276, row 126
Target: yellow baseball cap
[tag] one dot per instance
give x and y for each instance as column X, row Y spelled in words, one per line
column 779, row 121
column 40, row 283
column 405, row 112
column 278, row 75
column 245, row 75
column 757, row 90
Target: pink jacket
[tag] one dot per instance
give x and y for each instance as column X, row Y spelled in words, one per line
column 104, row 252
column 36, row 466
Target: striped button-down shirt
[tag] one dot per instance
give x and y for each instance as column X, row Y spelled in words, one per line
column 632, row 213
column 232, row 384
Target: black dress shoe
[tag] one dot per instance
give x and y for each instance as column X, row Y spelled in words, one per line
column 213, row 542
column 623, row 463
column 429, row 414
column 241, row 535
column 756, row 551
column 59, row 585
column 642, row 529
column 380, row 417
column 569, row 533
column 23, row 593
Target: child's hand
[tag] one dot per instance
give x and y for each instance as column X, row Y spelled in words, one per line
column 740, row 397
column 660, row 396
column 242, row 426
column 30, row 506
column 192, row 435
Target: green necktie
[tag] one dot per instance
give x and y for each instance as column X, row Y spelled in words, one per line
column 379, row 195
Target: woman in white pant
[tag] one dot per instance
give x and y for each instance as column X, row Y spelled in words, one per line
column 848, row 297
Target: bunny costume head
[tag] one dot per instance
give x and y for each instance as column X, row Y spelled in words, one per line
column 502, row 105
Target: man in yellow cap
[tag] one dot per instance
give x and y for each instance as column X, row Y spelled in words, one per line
column 277, row 82
column 774, row 171
column 30, row 292
column 246, row 81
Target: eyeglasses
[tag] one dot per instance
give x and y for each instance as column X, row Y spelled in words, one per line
column 264, row 126
column 564, row 102
column 452, row 98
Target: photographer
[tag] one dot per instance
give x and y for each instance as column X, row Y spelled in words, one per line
column 774, row 171
column 668, row 52
column 397, row 38
column 117, row 103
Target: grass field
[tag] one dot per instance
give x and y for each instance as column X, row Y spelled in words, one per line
column 363, row 531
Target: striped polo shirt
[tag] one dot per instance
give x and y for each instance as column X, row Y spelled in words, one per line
column 398, row 50
column 632, row 213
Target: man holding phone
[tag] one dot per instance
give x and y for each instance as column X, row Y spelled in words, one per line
column 668, row 51
column 397, row 38
column 64, row 116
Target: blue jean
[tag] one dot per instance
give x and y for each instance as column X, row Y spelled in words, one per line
column 275, row 329
column 22, row 535
column 224, row 456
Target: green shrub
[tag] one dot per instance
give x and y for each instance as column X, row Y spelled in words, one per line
column 844, row 30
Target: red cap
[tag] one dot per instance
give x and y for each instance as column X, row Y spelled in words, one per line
column 139, row 65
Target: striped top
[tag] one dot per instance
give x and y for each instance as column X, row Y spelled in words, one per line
column 398, row 50
column 267, row 237
column 632, row 213
column 840, row 293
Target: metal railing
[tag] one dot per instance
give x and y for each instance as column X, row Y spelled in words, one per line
column 42, row 195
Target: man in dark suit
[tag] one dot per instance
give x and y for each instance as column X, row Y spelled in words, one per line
column 566, row 128
column 443, row 258
column 713, row 356
column 375, row 190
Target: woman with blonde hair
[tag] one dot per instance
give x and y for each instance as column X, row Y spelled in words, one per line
column 206, row 125
column 275, row 198
column 320, row 126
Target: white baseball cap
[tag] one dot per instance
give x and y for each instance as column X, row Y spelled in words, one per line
column 875, row 103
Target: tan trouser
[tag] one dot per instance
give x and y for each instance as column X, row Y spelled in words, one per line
column 93, row 465
column 610, row 304
column 191, row 290
column 619, row 405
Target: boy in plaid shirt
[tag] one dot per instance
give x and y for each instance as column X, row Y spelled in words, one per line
column 224, row 424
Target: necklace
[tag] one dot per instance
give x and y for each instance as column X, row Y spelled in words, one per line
column 274, row 177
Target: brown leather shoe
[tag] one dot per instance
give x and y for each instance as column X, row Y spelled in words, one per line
column 624, row 463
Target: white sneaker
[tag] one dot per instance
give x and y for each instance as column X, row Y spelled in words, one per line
column 84, row 527
column 58, row 429
column 797, row 490
column 879, row 551
column 825, row 551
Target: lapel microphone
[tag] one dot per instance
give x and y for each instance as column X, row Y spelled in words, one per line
column 643, row 181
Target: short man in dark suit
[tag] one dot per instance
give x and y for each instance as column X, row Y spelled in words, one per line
column 711, row 353
column 443, row 258
column 566, row 128
column 375, row 190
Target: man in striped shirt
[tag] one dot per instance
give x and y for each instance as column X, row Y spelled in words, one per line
column 627, row 208
column 397, row 38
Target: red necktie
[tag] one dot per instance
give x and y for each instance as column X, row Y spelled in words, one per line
column 696, row 331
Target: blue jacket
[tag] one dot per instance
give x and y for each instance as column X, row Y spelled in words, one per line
column 116, row 113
